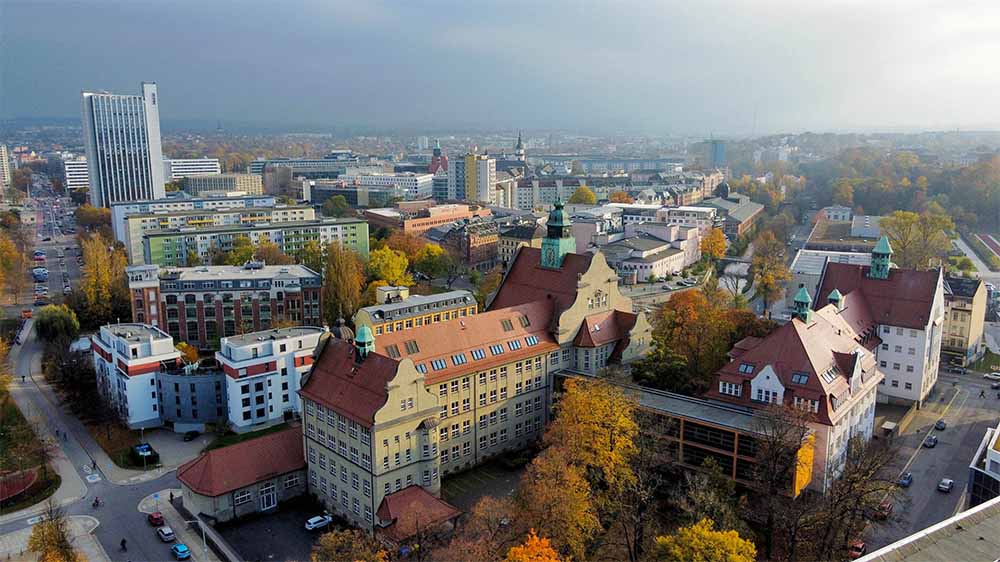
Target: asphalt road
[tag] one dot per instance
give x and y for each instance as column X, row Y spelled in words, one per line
column 968, row 416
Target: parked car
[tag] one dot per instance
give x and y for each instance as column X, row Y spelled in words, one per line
column 931, row 441
column 318, row 522
column 884, row 510
column 191, row 435
column 945, row 485
column 992, row 376
column 155, row 519
column 856, row 549
column 995, row 385
column 905, row 480
column 166, row 534
column 940, row 425
column 180, row 551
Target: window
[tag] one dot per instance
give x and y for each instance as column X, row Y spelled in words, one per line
column 392, row 351
column 412, row 347
column 898, row 349
column 465, row 382
column 422, row 369
column 514, row 345
column 496, row 349
column 466, row 427
column 482, row 398
column 482, row 421
column 454, row 408
column 746, row 368
column 730, row 388
column 885, row 347
column 466, row 404
column 242, row 497
column 800, row 378
column 911, row 351
column 459, row 359
column 895, row 384
column 895, row 366
column 503, row 392
column 518, row 409
column 507, row 325
column 829, row 375
column 882, row 364
column 767, row 396
column 291, row 481
column 454, row 386
column 455, row 431
column 478, row 354
column 443, row 434
column 503, row 414
column 493, row 395
column 909, row 386
column 909, row 369
column 885, row 329
column 531, row 340
column 438, row 364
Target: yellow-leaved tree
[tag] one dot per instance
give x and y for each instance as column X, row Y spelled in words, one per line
column 534, row 549
column 349, row 545
column 713, row 244
column 188, row 352
column 702, row 543
column 390, row 266
column 583, row 195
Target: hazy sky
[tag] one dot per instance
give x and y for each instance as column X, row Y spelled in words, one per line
column 688, row 66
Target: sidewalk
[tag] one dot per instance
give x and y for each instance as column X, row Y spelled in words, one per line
column 14, row 546
column 184, row 532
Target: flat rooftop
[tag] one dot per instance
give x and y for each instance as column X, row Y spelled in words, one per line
column 216, row 210
column 386, row 310
column 134, row 332
column 213, row 272
column 245, row 228
column 811, row 262
column 275, row 334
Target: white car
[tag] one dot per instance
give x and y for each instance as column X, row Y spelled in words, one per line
column 992, row 376
column 318, row 522
column 166, row 534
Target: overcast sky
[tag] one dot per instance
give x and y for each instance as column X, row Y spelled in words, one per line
column 687, row 66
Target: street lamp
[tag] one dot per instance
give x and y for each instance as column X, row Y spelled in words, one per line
column 204, row 543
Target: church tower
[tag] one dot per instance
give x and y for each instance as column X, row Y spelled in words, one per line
column 559, row 239
column 519, row 154
column 881, row 259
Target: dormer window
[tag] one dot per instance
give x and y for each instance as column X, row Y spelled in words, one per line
column 829, row 375
column 746, row 368
column 800, row 378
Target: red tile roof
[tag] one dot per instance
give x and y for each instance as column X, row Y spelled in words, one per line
column 354, row 390
column 223, row 470
column 411, row 510
column 443, row 340
column 527, row 281
column 905, row 299
column 744, row 345
column 824, row 344
column 604, row 327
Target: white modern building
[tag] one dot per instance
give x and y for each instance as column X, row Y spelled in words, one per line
column 704, row 218
column 415, row 186
column 264, row 371
column 5, row 174
column 122, row 136
column 77, row 174
column 119, row 211
column 178, row 168
column 223, row 185
column 472, row 177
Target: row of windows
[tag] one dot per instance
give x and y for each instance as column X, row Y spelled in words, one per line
column 477, row 354
column 400, row 325
column 896, row 366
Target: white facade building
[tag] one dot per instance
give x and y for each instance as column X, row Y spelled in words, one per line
column 77, row 173
column 177, row 168
column 704, row 218
column 119, row 211
column 5, row 173
column 122, row 136
column 264, row 372
column 415, row 186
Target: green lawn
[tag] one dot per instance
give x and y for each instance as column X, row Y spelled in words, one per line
column 232, row 438
column 14, row 430
column 989, row 362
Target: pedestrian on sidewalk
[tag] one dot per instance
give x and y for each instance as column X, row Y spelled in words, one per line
column 93, row 465
column 982, row 394
column 171, row 497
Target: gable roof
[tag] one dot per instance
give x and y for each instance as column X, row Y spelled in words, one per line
column 528, row 281
column 226, row 469
column 461, row 336
column 357, row 390
column 604, row 327
column 905, row 299
column 411, row 510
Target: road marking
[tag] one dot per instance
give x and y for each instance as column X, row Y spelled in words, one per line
column 92, row 478
column 35, row 520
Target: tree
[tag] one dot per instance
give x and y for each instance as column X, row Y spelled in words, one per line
column 188, row 352
column 408, row 244
column 343, row 278
column 768, row 267
column 584, row 196
column 918, row 241
column 192, row 259
column 103, row 295
column 493, row 526
column 336, row 206
column 713, row 244
column 57, row 322
column 312, row 255
column 50, row 538
column 843, row 192
column 709, row 494
column 534, row 549
column 702, row 543
column 432, row 261
column 576, row 168
column 348, row 545
column 695, row 328
column 556, row 499
column 271, row 254
column 488, row 285
column 92, row 217
column 594, row 423
column 620, row 197
column 241, row 252
column 390, row 266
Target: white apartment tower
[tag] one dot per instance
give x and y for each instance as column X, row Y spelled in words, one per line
column 77, row 176
column 5, row 174
column 122, row 136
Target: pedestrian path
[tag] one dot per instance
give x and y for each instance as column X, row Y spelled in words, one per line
column 14, row 546
column 185, row 532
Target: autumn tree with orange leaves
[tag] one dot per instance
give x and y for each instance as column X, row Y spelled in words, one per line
column 713, row 245
column 620, row 197
column 534, row 549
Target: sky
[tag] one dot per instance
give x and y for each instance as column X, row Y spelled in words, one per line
column 656, row 66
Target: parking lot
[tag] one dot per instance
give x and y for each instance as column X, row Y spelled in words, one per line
column 463, row 490
column 280, row 535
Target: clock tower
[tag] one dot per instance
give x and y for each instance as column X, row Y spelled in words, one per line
column 559, row 239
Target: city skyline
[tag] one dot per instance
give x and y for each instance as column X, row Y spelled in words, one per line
column 679, row 69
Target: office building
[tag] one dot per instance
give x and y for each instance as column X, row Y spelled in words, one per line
column 331, row 165
column 122, row 136
column 964, row 320
column 200, row 305
column 414, row 186
column 77, row 173
column 396, row 309
column 716, row 153
column 905, row 307
column 6, row 177
column 263, row 372
column 420, row 220
column 739, row 213
column 702, row 218
column 223, row 185
column 472, row 178
column 120, row 211
column 137, row 225
column 179, row 168
column 423, row 143
column 171, row 247
column 318, row 191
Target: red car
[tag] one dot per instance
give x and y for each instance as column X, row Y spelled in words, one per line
column 856, row 550
column 884, row 510
column 155, row 519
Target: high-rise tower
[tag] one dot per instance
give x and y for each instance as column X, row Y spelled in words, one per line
column 122, row 136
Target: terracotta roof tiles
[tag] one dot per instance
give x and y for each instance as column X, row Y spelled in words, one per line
column 527, row 281
column 905, row 299
column 604, row 327
column 411, row 510
column 357, row 390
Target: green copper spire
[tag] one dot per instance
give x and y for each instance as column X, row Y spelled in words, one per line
column 836, row 299
column 803, row 305
column 559, row 239
column 881, row 259
column 364, row 342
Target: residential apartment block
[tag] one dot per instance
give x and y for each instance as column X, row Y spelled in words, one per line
column 178, row 168
column 263, row 372
column 200, row 305
column 137, row 225
column 472, row 242
column 519, row 235
column 397, row 310
column 472, row 178
column 170, row 247
column 76, row 173
column 908, row 309
column 119, row 211
column 6, row 176
column 223, row 185
column 964, row 320
column 319, row 190
column 414, row 186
